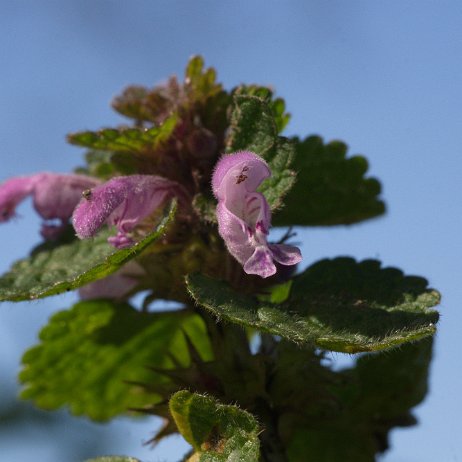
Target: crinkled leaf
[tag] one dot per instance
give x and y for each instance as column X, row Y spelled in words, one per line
column 206, row 97
column 338, row 305
column 331, row 188
column 89, row 356
column 132, row 103
column 153, row 105
column 277, row 105
column 99, row 164
column 54, row 268
column 217, row 432
column 366, row 403
column 199, row 82
column 253, row 128
column 107, row 164
column 125, row 139
column 205, row 206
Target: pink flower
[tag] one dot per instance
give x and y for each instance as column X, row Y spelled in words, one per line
column 244, row 217
column 55, row 197
column 124, row 202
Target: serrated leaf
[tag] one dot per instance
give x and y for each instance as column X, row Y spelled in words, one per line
column 331, row 188
column 52, row 268
column 339, row 305
column 253, row 128
column 367, row 402
column 132, row 103
column 393, row 383
column 106, row 164
column 205, row 207
column 277, row 105
column 88, row 355
column 199, row 82
column 217, row 432
column 125, row 139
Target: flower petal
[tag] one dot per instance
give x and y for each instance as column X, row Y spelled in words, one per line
column 124, row 202
column 55, row 195
column 235, row 233
column 244, row 169
column 12, row 192
column 260, row 263
column 285, row 254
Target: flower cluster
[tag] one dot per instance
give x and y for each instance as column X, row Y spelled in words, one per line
column 126, row 202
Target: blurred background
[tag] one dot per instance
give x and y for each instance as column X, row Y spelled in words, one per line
column 382, row 76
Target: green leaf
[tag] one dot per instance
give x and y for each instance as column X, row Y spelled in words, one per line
column 331, row 188
column 366, row 402
column 339, row 305
column 90, row 355
column 277, row 105
column 132, row 103
column 205, row 207
column 201, row 83
column 48, row 270
column 99, row 164
column 393, row 383
column 253, row 128
column 107, row 164
column 216, row 431
column 125, row 139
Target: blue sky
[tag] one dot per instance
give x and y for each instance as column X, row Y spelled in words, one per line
column 382, row 76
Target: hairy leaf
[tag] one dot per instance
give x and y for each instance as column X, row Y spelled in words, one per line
column 365, row 403
column 331, row 188
column 107, row 164
column 217, row 432
column 339, row 305
column 90, row 355
column 277, row 105
column 125, row 139
column 199, row 82
column 53, row 268
column 253, row 128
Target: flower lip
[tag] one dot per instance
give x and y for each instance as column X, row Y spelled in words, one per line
column 244, row 167
column 12, row 192
column 124, row 202
column 54, row 196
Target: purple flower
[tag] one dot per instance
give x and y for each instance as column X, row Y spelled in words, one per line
column 55, row 197
column 244, row 217
column 124, row 202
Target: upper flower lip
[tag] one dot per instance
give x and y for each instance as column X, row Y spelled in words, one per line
column 245, row 167
column 124, row 202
